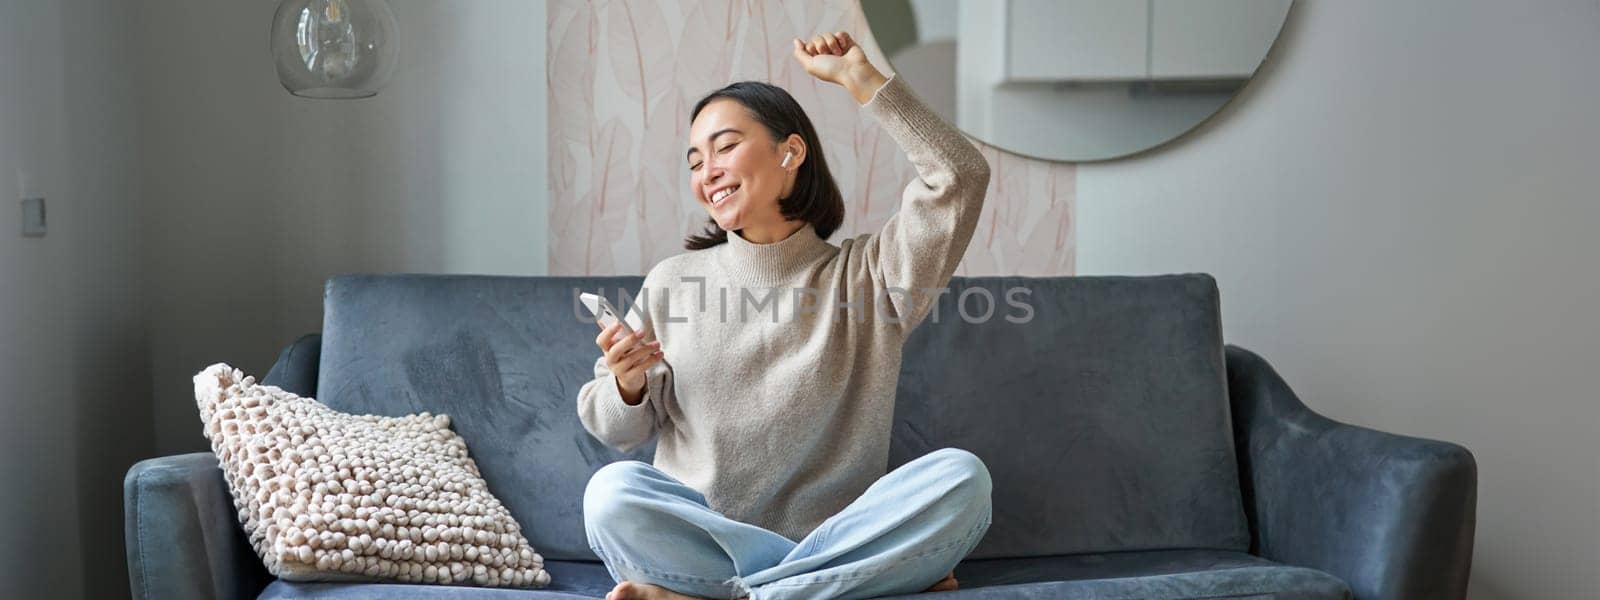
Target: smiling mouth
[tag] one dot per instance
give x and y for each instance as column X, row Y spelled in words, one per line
column 723, row 195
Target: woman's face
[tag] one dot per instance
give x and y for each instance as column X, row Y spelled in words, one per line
column 731, row 151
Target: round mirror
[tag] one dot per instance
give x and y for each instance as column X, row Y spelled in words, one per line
column 1075, row 80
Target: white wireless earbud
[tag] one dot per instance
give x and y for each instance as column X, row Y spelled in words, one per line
column 786, row 156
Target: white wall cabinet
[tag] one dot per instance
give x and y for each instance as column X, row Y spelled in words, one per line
column 1050, row 40
column 1129, row 40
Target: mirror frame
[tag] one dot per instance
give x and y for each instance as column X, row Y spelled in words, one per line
column 1272, row 49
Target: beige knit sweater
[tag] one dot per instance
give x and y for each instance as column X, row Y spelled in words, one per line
column 776, row 393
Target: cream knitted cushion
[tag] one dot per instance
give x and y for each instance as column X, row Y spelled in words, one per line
column 326, row 496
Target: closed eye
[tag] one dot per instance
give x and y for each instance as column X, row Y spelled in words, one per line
column 719, row 151
column 722, row 149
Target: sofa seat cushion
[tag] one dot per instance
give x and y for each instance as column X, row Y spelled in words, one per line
column 569, row 580
column 1155, row 575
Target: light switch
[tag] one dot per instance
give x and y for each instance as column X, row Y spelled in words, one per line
column 33, row 217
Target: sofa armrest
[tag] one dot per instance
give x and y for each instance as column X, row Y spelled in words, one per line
column 182, row 531
column 296, row 369
column 183, row 535
column 1393, row 516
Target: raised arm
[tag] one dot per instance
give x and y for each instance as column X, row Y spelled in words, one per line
column 920, row 246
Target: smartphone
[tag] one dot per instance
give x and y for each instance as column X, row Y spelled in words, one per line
column 606, row 315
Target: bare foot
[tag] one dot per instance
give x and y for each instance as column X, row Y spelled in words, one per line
column 948, row 584
column 629, row 590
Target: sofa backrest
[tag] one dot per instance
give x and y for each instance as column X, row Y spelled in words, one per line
column 1103, row 421
column 504, row 357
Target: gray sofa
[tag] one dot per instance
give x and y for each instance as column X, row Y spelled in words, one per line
column 1134, row 455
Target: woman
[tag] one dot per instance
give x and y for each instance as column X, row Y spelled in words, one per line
column 769, row 477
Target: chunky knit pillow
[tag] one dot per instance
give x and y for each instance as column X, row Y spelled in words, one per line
column 326, row 496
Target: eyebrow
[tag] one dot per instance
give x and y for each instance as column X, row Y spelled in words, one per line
column 710, row 138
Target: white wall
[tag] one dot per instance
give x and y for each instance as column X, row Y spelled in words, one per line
column 1400, row 213
column 74, row 385
column 256, row 197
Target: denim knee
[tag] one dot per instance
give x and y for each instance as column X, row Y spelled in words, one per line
column 606, row 496
column 966, row 468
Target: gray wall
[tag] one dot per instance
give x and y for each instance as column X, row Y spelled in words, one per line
column 196, row 208
column 74, row 385
column 256, row 197
column 1400, row 214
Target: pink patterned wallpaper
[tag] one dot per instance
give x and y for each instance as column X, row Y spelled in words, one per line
column 623, row 76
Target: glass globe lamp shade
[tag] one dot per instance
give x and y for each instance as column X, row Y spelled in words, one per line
column 334, row 48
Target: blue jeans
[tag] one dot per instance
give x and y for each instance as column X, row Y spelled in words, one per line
column 905, row 533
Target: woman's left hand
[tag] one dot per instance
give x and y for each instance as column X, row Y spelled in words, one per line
column 836, row 58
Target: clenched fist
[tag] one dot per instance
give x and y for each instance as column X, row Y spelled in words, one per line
column 836, row 58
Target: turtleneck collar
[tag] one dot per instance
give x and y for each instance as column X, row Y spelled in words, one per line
column 774, row 263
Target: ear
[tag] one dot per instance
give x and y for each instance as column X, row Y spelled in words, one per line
column 797, row 146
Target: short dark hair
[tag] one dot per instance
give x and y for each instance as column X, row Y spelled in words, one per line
column 815, row 197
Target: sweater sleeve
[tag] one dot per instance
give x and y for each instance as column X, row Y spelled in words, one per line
column 919, row 247
column 611, row 420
